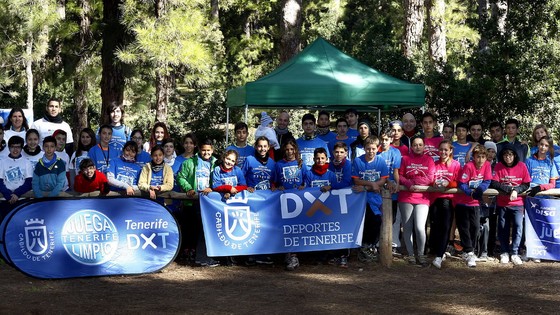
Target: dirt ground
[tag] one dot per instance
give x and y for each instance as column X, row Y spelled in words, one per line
column 490, row 288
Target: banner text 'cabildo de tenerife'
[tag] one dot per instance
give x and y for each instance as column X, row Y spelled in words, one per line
column 65, row 238
column 266, row 222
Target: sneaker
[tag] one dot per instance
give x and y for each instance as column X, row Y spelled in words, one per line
column 504, row 258
column 410, row 259
column 437, row 262
column 250, row 261
column 264, row 260
column 343, row 262
column 423, row 260
column 516, row 260
column 367, row 254
column 536, row 260
column 293, row 263
column 450, row 250
column 471, row 260
column 210, row 263
column 483, row 257
column 465, row 256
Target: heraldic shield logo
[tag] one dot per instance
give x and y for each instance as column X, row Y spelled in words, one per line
column 36, row 238
column 238, row 222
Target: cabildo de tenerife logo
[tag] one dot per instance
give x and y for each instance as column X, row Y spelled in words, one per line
column 90, row 237
column 36, row 243
column 237, row 227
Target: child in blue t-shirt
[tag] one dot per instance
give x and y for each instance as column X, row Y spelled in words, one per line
column 241, row 133
column 259, row 169
column 227, row 177
column 319, row 174
column 289, row 168
column 340, row 165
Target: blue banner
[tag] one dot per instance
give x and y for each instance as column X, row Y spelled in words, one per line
column 542, row 228
column 65, row 238
column 266, row 222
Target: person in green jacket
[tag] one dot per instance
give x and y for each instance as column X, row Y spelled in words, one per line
column 195, row 178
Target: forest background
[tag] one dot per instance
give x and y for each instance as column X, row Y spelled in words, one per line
column 174, row 60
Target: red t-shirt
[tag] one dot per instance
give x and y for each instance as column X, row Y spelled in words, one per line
column 84, row 185
column 511, row 176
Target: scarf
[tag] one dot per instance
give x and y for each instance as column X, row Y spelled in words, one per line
column 320, row 169
column 321, row 131
column 281, row 131
column 48, row 163
column 57, row 119
column 262, row 160
column 307, row 138
column 26, row 150
column 132, row 160
column 156, row 167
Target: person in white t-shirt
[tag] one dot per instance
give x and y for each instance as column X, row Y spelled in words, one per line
column 52, row 121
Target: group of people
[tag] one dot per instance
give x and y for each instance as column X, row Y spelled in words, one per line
column 41, row 158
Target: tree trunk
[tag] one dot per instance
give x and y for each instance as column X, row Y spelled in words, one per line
column 483, row 17
column 81, row 84
column 163, row 88
column 499, row 14
column 215, row 13
column 290, row 43
column 29, row 70
column 414, row 25
column 436, row 27
column 114, row 36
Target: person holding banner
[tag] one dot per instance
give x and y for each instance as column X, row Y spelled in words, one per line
column 369, row 173
column 15, row 173
column 510, row 179
column 417, row 169
column 89, row 179
column 227, row 177
column 123, row 171
column 259, row 169
column 319, row 176
column 156, row 176
column 49, row 176
column 194, row 178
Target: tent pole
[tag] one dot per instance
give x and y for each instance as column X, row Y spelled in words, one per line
column 378, row 121
column 246, row 112
column 227, row 125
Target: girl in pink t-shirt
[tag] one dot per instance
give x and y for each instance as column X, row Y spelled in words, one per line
column 510, row 179
column 417, row 169
column 446, row 175
column 473, row 181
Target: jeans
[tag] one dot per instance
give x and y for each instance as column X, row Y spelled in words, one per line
column 468, row 222
column 510, row 217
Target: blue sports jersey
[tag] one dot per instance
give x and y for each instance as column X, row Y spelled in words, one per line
column 328, row 138
column 127, row 172
column 258, row 175
column 460, row 152
column 392, row 158
column 371, row 171
column 102, row 157
column 353, row 134
column 307, row 147
column 314, row 180
column 343, row 173
column 243, row 153
column 541, row 171
column 288, row 174
column 348, row 142
column 232, row 178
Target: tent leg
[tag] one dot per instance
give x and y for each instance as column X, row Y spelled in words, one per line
column 378, row 121
column 227, row 126
column 246, row 112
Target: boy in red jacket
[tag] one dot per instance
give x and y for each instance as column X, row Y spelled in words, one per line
column 90, row 179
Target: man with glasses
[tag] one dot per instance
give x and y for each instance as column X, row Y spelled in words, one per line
column 16, row 173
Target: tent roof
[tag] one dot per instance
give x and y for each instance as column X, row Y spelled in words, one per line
column 321, row 76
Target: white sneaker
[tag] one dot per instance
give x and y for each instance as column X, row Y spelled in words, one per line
column 504, row 258
column 516, row 260
column 471, row 260
column 437, row 262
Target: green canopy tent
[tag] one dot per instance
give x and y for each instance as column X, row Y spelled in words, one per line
column 323, row 77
